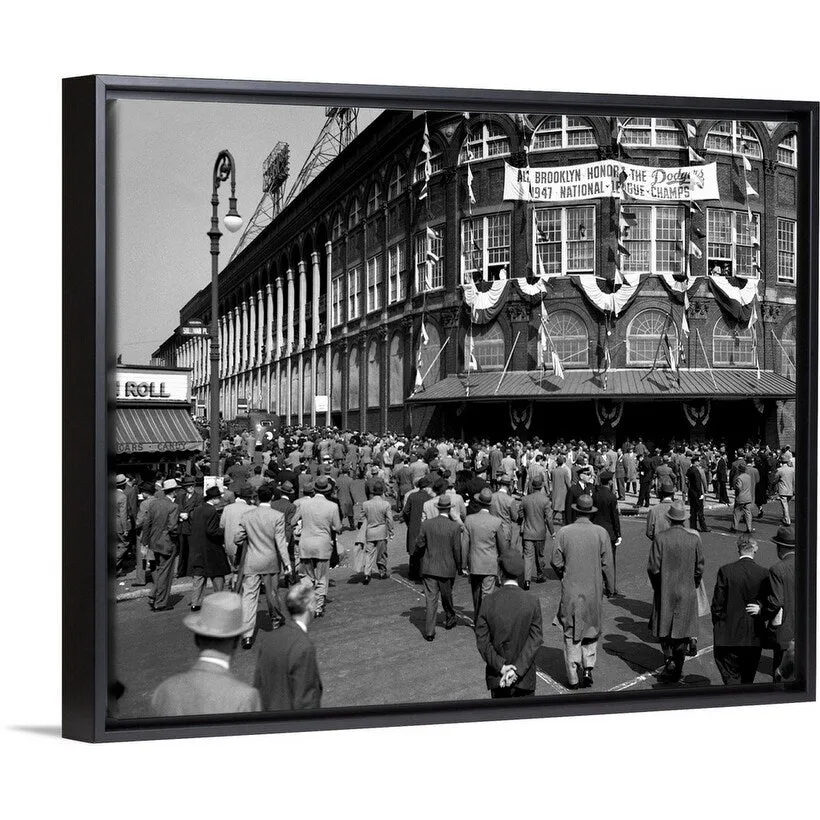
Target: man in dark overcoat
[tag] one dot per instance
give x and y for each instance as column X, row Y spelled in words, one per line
column 411, row 512
column 675, row 570
column 207, row 557
column 608, row 517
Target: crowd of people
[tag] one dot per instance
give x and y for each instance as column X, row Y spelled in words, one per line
column 497, row 512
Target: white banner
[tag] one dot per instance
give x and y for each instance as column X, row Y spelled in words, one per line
column 611, row 177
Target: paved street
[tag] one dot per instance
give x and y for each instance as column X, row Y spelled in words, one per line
column 370, row 647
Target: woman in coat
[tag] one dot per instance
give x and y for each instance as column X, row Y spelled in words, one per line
column 207, row 557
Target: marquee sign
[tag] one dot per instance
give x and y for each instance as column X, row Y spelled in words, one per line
column 152, row 386
column 611, row 178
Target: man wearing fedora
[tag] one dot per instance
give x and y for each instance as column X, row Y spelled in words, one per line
column 509, row 633
column 229, row 520
column 483, row 543
column 261, row 535
column 607, row 516
column 582, row 559
column 777, row 608
column 505, row 507
column 675, row 570
column 376, row 529
column 321, row 524
column 439, row 542
column 411, row 512
column 737, row 629
column 287, row 675
column 209, row 688
column 537, row 512
column 161, row 527
column 188, row 498
column 207, row 558
column 120, row 523
column 143, row 551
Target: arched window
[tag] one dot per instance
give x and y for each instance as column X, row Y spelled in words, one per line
column 487, row 139
column 321, row 385
column 353, row 379
column 436, row 163
column 336, row 383
column 732, row 137
column 644, row 334
column 787, row 151
column 651, row 131
column 337, row 227
column 569, row 337
column 355, row 213
column 374, row 374
column 788, row 352
column 396, row 185
column 396, row 370
column 562, row 131
column 427, row 353
column 374, row 201
column 307, row 389
column 732, row 346
column 488, row 347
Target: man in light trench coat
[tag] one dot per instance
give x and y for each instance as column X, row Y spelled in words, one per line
column 582, row 559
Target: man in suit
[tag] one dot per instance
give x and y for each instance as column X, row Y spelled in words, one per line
column 777, row 607
column 403, row 480
column 783, row 482
column 508, row 634
column 439, row 542
column 161, row 527
column 188, row 498
column 581, row 486
column 744, row 493
column 737, row 630
column 582, row 559
column 321, row 524
column 675, row 570
column 229, row 520
column 377, row 528
column 505, row 507
column 537, row 513
column 696, row 488
column 121, row 522
column 607, row 516
column 722, row 477
column 483, row 543
column 261, row 534
column 207, row 557
column 657, row 519
column 495, row 469
column 411, row 512
column 281, row 502
column 561, row 479
column 287, row 675
column 209, row 688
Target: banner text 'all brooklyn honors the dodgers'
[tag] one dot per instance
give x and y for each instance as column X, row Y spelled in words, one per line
column 611, row 178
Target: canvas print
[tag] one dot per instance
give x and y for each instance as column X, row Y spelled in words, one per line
column 420, row 406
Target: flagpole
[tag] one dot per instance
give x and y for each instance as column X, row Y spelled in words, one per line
column 785, row 352
column 509, row 359
column 711, row 372
column 658, row 348
column 441, row 350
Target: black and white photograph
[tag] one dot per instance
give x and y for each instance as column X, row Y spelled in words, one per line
column 435, row 407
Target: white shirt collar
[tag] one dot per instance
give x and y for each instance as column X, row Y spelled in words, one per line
column 510, row 584
column 750, row 557
column 218, row 661
column 301, row 626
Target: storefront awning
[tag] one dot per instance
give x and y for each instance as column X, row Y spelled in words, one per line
column 155, row 430
column 631, row 383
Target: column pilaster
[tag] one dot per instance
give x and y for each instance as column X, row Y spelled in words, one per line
column 269, row 326
column 300, row 339
column 314, row 321
column 328, row 301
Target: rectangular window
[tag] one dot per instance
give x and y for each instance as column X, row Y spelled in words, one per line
column 429, row 276
column 353, row 289
column 653, row 236
column 564, row 240
column 337, row 292
column 733, row 243
column 395, row 269
column 786, row 246
column 374, row 283
column 485, row 247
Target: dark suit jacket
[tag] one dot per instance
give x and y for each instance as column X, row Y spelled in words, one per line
column 413, row 505
column 187, row 504
column 738, row 584
column 781, row 596
column 509, row 630
column 575, row 492
column 287, row 675
column 694, row 481
column 440, row 544
column 607, row 515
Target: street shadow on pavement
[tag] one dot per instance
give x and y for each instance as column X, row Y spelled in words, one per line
column 640, row 609
column 417, row 616
column 638, row 657
column 685, row 681
column 551, row 662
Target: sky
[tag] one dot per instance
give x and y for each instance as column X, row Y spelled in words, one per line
column 163, row 158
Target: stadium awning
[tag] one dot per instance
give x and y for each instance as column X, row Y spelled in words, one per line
column 623, row 384
column 155, row 430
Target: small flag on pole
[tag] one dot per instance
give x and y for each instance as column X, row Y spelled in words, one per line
column 428, row 168
column 424, row 337
column 694, row 250
column 558, row 370
column 694, row 156
column 749, row 190
column 470, row 193
column 691, row 130
column 670, row 355
column 684, row 324
column 747, row 165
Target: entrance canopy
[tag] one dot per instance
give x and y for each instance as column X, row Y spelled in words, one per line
column 631, row 383
column 155, row 430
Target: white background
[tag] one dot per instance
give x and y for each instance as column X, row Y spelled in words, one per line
column 752, row 762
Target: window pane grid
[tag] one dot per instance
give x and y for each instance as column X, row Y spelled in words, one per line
column 787, row 151
column 353, row 293
column 374, row 282
column 336, row 300
column 786, row 242
column 437, row 272
column 562, row 132
column 644, row 335
column 731, row 348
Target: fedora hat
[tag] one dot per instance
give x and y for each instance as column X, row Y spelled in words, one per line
column 504, row 479
column 444, row 502
column 286, row 487
column 512, row 563
column 785, row 536
column 676, row 511
column 485, row 497
column 584, row 505
column 188, row 481
column 322, row 485
column 170, row 484
column 120, row 480
column 605, row 476
column 214, row 492
column 220, row 616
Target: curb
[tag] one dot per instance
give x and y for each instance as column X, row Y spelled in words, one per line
column 144, row 592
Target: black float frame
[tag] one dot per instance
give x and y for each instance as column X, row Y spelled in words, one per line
column 87, row 326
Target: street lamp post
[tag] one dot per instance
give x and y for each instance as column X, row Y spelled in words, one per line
column 223, row 168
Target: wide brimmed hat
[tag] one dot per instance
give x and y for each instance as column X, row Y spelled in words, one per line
column 584, row 505
column 785, row 536
column 170, row 484
column 322, row 485
column 511, row 563
column 676, row 511
column 220, row 616
column 120, row 480
column 485, row 497
column 444, row 502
